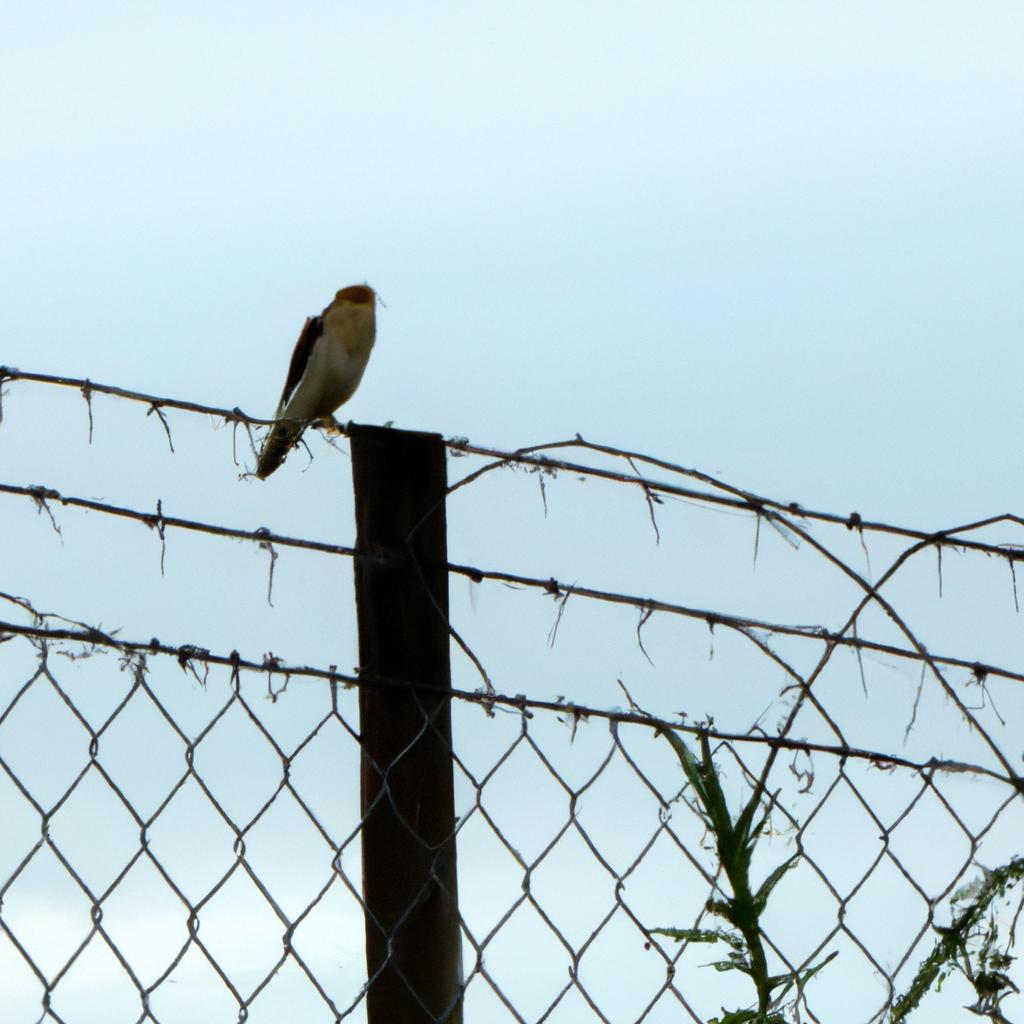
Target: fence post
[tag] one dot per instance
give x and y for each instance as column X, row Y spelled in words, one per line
column 413, row 942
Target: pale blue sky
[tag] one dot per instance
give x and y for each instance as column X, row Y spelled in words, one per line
column 779, row 242
column 776, row 240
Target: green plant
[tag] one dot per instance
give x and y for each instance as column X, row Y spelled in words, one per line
column 735, row 841
column 971, row 945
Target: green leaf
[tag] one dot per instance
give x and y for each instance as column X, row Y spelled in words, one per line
column 736, row 962
column 691, row 767
column 748, row 1017
column 773, row 880
column 700, row 935
column 799, row 978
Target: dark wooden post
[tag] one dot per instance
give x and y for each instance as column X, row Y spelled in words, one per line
column 413, row 942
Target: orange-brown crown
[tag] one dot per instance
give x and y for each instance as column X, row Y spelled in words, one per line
column 358, row 293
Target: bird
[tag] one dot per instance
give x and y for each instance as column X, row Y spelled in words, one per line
column 326, row 368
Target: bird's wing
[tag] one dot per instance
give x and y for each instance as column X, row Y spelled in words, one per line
column 312, row 330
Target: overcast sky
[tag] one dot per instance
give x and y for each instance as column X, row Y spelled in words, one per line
column 776, row 240
column 779, row 242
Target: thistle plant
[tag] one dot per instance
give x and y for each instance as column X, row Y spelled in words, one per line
column 735, row 841
column 971, row 945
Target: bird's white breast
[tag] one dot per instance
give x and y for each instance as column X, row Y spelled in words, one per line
column 336, row 363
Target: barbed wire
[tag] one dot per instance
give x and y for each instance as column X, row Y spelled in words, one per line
column 189, row 655
column 531, row 456
column 769, row 509
column 262, row 536
column 790, row 518
column 160, row 521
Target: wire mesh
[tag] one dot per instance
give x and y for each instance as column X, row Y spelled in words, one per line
column 172, row 849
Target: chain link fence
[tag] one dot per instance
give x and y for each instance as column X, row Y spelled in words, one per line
column 784, row 822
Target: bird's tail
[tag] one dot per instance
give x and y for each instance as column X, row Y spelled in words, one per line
column 281, row 439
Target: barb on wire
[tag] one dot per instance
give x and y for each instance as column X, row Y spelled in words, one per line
column 650, row 497
column 87, row 395
column 158, row 524
column 41, row 496
column 645, row 614
column 562, row 597
column 155, row 408
column 267, row 544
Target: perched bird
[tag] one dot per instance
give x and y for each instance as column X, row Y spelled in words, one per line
column 327, row 365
